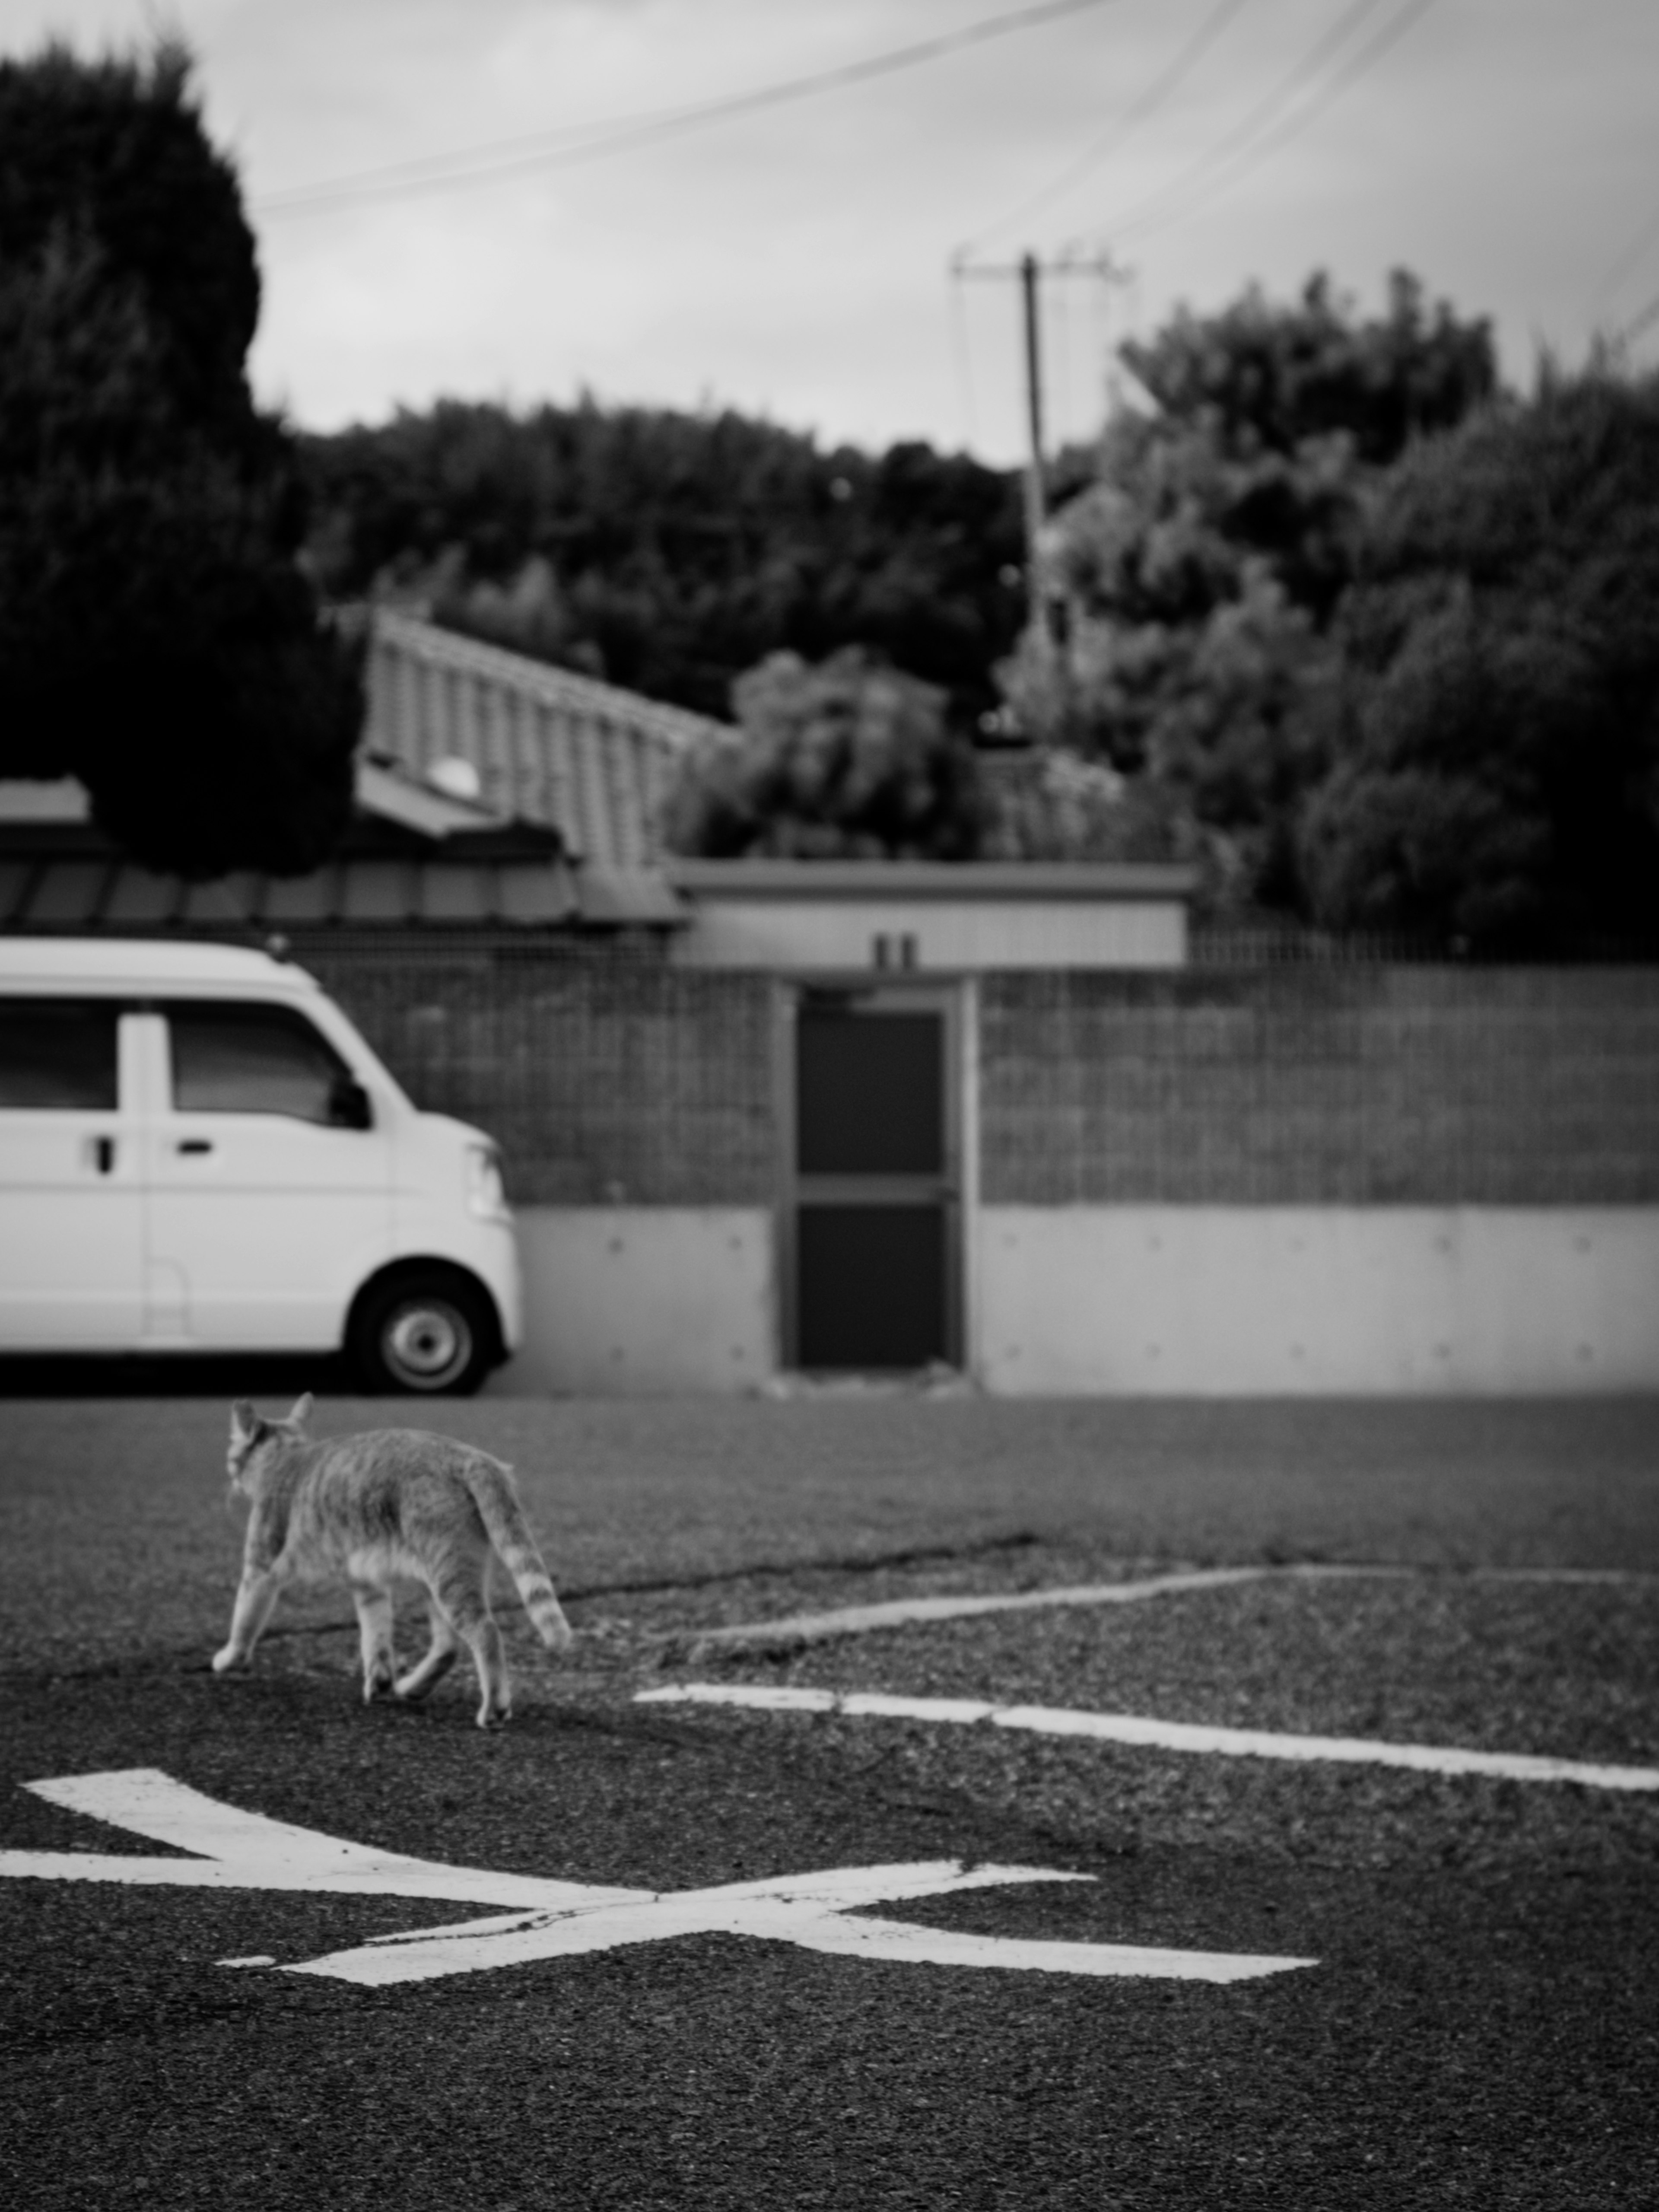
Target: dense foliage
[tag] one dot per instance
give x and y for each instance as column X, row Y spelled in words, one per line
column 1200, row 573
column 1268, row 378
column 157, row 636
column 1495, row 761
column 670, row 552
column 849, row 760
column 1381, row 637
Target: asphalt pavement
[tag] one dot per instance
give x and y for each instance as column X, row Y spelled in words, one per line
column 1458, row 2003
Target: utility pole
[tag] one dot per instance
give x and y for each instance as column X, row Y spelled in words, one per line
column 1031, row 272
column 1037, row 500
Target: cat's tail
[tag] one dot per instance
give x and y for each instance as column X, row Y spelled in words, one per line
column 509, row 1532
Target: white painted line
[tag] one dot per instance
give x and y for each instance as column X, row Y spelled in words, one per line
column 245, row 1850
column 899, row 1612
column 797, row 1628
column 565, row 1919
column 1157, row 1736
column 1634, row 1575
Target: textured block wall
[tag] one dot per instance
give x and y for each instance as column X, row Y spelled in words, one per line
column 1387, row 1085
column 607, row 1077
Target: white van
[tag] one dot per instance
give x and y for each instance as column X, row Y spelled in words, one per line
column 199, row 1154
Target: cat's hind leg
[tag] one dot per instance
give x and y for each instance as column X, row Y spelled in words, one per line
column 256, row 1594
column 374, row 1604
column 438, row 1659
column 462, row 1593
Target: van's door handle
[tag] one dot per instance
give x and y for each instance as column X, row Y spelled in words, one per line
column 103, row 1154
column 195, row 1144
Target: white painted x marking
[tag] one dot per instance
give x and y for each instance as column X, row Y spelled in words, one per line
column 548, row 1919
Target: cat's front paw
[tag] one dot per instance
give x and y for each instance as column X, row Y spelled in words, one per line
column 229, row 1657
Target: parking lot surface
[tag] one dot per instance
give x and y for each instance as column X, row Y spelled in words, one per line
column 745, row 1912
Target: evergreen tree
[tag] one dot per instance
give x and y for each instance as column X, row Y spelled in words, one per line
column 851, row 760
column 1266, row 378
column 1497, row 768
column 157, row 636
column 1199, row 573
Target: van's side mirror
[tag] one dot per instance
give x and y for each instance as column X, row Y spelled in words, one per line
column 348, row 1105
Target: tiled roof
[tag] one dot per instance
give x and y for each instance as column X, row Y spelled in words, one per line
column 57, row 894
column 549, row 746
column 411, row 855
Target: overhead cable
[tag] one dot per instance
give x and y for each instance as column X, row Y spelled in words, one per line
column 1233, row 144
column 573, row 144
column 1251, row 156
column 1631, row 257
column 1109, row 141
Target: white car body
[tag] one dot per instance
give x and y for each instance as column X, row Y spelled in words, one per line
column 137, row 1218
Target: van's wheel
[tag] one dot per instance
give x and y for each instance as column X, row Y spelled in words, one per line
column 426, row 1333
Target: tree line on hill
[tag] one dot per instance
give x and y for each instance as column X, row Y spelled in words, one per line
column 669, row 552
column 1369, row 640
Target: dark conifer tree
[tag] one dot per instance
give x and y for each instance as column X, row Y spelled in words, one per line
column 1497, row 772
column 158, row 638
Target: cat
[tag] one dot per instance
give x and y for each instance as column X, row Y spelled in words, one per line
column 394, row 1504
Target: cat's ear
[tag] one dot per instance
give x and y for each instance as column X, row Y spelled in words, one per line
column 243, row 1420
column 302, row 1412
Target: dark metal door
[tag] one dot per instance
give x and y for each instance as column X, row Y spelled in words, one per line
column 871, row 1212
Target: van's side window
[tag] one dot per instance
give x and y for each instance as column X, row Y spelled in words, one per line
column 58, row 1053
column 251, row 1059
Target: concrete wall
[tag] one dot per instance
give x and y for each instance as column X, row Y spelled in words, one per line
column 1310, row 1300
column 1088, row 1300
column 625, row 1300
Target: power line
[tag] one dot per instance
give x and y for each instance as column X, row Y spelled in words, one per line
column 447, row 168
column 1121, row 127
column 622, row 134
column 1389, row 35
column 1260, row 116
column 1631, row 257
column 1643, row 321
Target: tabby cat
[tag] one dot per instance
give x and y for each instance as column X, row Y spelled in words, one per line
column 393, row 1504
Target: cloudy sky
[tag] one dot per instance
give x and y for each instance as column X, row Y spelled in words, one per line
column 791, row 255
